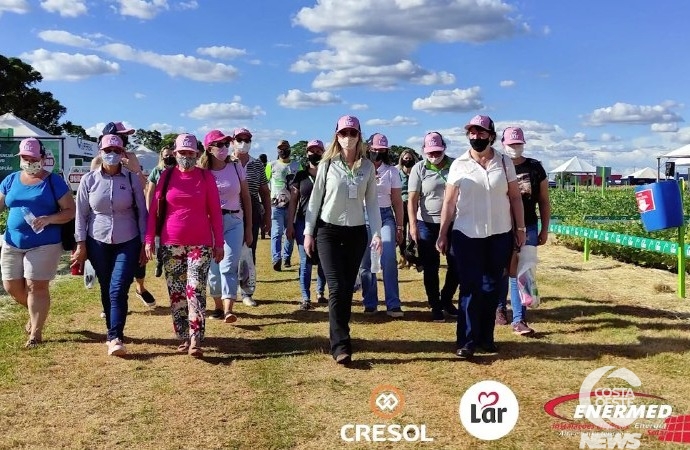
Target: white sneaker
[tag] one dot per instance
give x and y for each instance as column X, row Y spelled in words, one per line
column 102, row 314
column 116, row 348
column 248, row 301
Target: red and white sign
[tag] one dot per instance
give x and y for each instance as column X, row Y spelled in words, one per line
column 49, row 161
column 75, row 174
column 645, row 201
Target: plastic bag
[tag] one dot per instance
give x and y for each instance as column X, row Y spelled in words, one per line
column 527, row 276
column 247, row 271
column 89, row 275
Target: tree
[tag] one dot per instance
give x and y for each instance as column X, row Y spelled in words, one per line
column 23, row 100
column 168, row 140
column 71, row 129
column 396, row 150
column 298, row 152
column 149, row 139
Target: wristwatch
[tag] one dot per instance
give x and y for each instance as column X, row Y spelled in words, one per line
column 522, row 229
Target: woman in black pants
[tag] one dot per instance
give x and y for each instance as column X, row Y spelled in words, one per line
column 345, row 181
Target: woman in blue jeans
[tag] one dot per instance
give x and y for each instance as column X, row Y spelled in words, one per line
column 534, row 188
column 109, row 227
column 300, row 192
column 389, row 190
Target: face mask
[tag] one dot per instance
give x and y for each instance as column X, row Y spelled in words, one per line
column 408, row 163
column 243, row 147
column 32, row 168
column 378, row 156
column 284, row 154
column 347, row 142
column 169, row 161
column 513, row 151
column 479, row 145
column 186, row 162
column 112, row 158
column 221, row 154
column 313, row 158
column 436, row 160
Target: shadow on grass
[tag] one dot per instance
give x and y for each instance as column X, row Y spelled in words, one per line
column 593, row 308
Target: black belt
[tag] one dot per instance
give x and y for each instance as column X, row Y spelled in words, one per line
column 230, row 211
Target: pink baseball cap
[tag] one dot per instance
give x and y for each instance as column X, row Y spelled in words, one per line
column 31, row 147
column 186, row 141
column 481, row 122
column 215, row 136
column 121, row 129
column 379, row 141
column 347, row 122
column 239, row 131
column 513, row 135
column 315, row 143
column 111, row 140
column 433, row 142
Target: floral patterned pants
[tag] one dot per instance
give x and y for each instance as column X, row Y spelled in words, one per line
column 186, row 272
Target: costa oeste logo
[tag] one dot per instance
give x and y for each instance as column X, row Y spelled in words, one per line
column 489, row 410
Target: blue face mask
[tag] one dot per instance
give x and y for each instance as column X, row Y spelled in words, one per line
column 112, row 158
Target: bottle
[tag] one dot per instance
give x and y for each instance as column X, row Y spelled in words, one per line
column 375, row 261
column 30, row 218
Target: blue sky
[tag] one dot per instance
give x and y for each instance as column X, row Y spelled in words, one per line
column 606, row 81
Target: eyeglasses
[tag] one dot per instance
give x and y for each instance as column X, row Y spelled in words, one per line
column 113, row 149
column 348, row 132
column 239, row 139
column 434, row 154
column 218, row 144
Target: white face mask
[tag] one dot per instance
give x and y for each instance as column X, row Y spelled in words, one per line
column 32, row 168
column 243, row 147
column 514, row 150
column 347, row 142
column 436, row 160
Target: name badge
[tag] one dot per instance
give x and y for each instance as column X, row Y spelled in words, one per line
column 352, row 190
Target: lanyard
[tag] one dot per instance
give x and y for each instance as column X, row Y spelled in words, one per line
column 350, row 173
column 437, row 171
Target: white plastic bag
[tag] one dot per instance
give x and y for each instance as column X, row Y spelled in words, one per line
column 89, row 275
column 247, row 271
column 527, row 276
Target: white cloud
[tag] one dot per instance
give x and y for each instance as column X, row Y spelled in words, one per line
column 175, row 65
column 455, row 100
column 664, row 127
column 434, row 78
column 65, row 38
column 254, row 62
column 359, row 106
column 634, row 114
column 221, row 52
column 225, row 111
column 66, row 8
column 608, row 137
column 95, row 130
column 14, row 6
column 378, row 76
column 397, row 121
column 68, row 67
column 142, row 9
column 580, row 137
column 192, row 4
column 139, row 95
column 507, row 83
column 295, row 99
column 165, row 128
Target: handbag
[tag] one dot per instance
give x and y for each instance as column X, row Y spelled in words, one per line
column 67, row 229
column 513, row 263
column 314, row 259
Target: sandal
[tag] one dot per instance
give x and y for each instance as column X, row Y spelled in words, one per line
column 32, row 343
column 183, row 347
column 230, row 317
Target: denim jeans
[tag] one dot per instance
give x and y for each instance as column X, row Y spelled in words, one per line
column 257, row 222
column 278, row 226
column 340, row 252
column 305, row 267
column 222, row 277
column 389, row 266
column 114, row 265
column 480, row 264
column 431, row 261
column 519, row 311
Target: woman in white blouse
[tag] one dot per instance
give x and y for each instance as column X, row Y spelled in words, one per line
column 335, row 225
column 481, row 190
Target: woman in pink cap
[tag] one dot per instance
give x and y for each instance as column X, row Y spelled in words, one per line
column 39, row 202
column 236, row 207
column 480, row 194
column 186, row 197
column 344, row 180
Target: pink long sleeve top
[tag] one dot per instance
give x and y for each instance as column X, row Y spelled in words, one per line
column 193, row 215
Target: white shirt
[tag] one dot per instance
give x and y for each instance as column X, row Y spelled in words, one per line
column 387, row 178
column 483, row 206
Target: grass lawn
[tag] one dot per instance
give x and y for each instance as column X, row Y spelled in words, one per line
column 268, row 381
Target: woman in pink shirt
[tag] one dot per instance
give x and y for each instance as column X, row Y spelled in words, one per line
column 185, row 201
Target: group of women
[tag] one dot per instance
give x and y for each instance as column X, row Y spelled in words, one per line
column 349, row 206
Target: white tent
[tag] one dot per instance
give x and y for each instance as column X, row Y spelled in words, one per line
column 575, row 166
column 646, row 173
column 21, row 128
column 682, row 152
column 147, row 158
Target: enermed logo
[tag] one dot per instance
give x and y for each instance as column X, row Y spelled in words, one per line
column 385, row 402
column 489, row 410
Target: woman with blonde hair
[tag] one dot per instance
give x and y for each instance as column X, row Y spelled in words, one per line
column 335, row 224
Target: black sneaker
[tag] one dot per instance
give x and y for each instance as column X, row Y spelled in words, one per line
column 217, row 314
column 287, row 264
column 451, row 310
column 322, row 299
column 159, row 269
column 276, row 266
column 437, row 315
column 464, row 353
column 304, row 306
column 489, row 348
column 147, row 298
column 370, row 311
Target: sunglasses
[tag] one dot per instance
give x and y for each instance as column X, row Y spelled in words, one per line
column 348, row 132
column 239, row 139
column 434, row 154
column 218, row 144
column 113, row 149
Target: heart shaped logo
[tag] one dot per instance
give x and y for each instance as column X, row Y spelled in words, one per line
column 487, row 399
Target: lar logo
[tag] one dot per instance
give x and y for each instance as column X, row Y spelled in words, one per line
column 489, row 410
column 386, row 401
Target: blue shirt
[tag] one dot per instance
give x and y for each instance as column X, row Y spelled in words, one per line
column 110, row 209
column 39, row 198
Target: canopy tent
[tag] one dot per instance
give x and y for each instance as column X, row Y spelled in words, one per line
column 647, row 173
column 21, row 128
column 681, row 156
column 575, row 166
column 682, row 152
column 147, row 158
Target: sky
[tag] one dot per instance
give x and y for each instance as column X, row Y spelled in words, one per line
column 604, row 81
